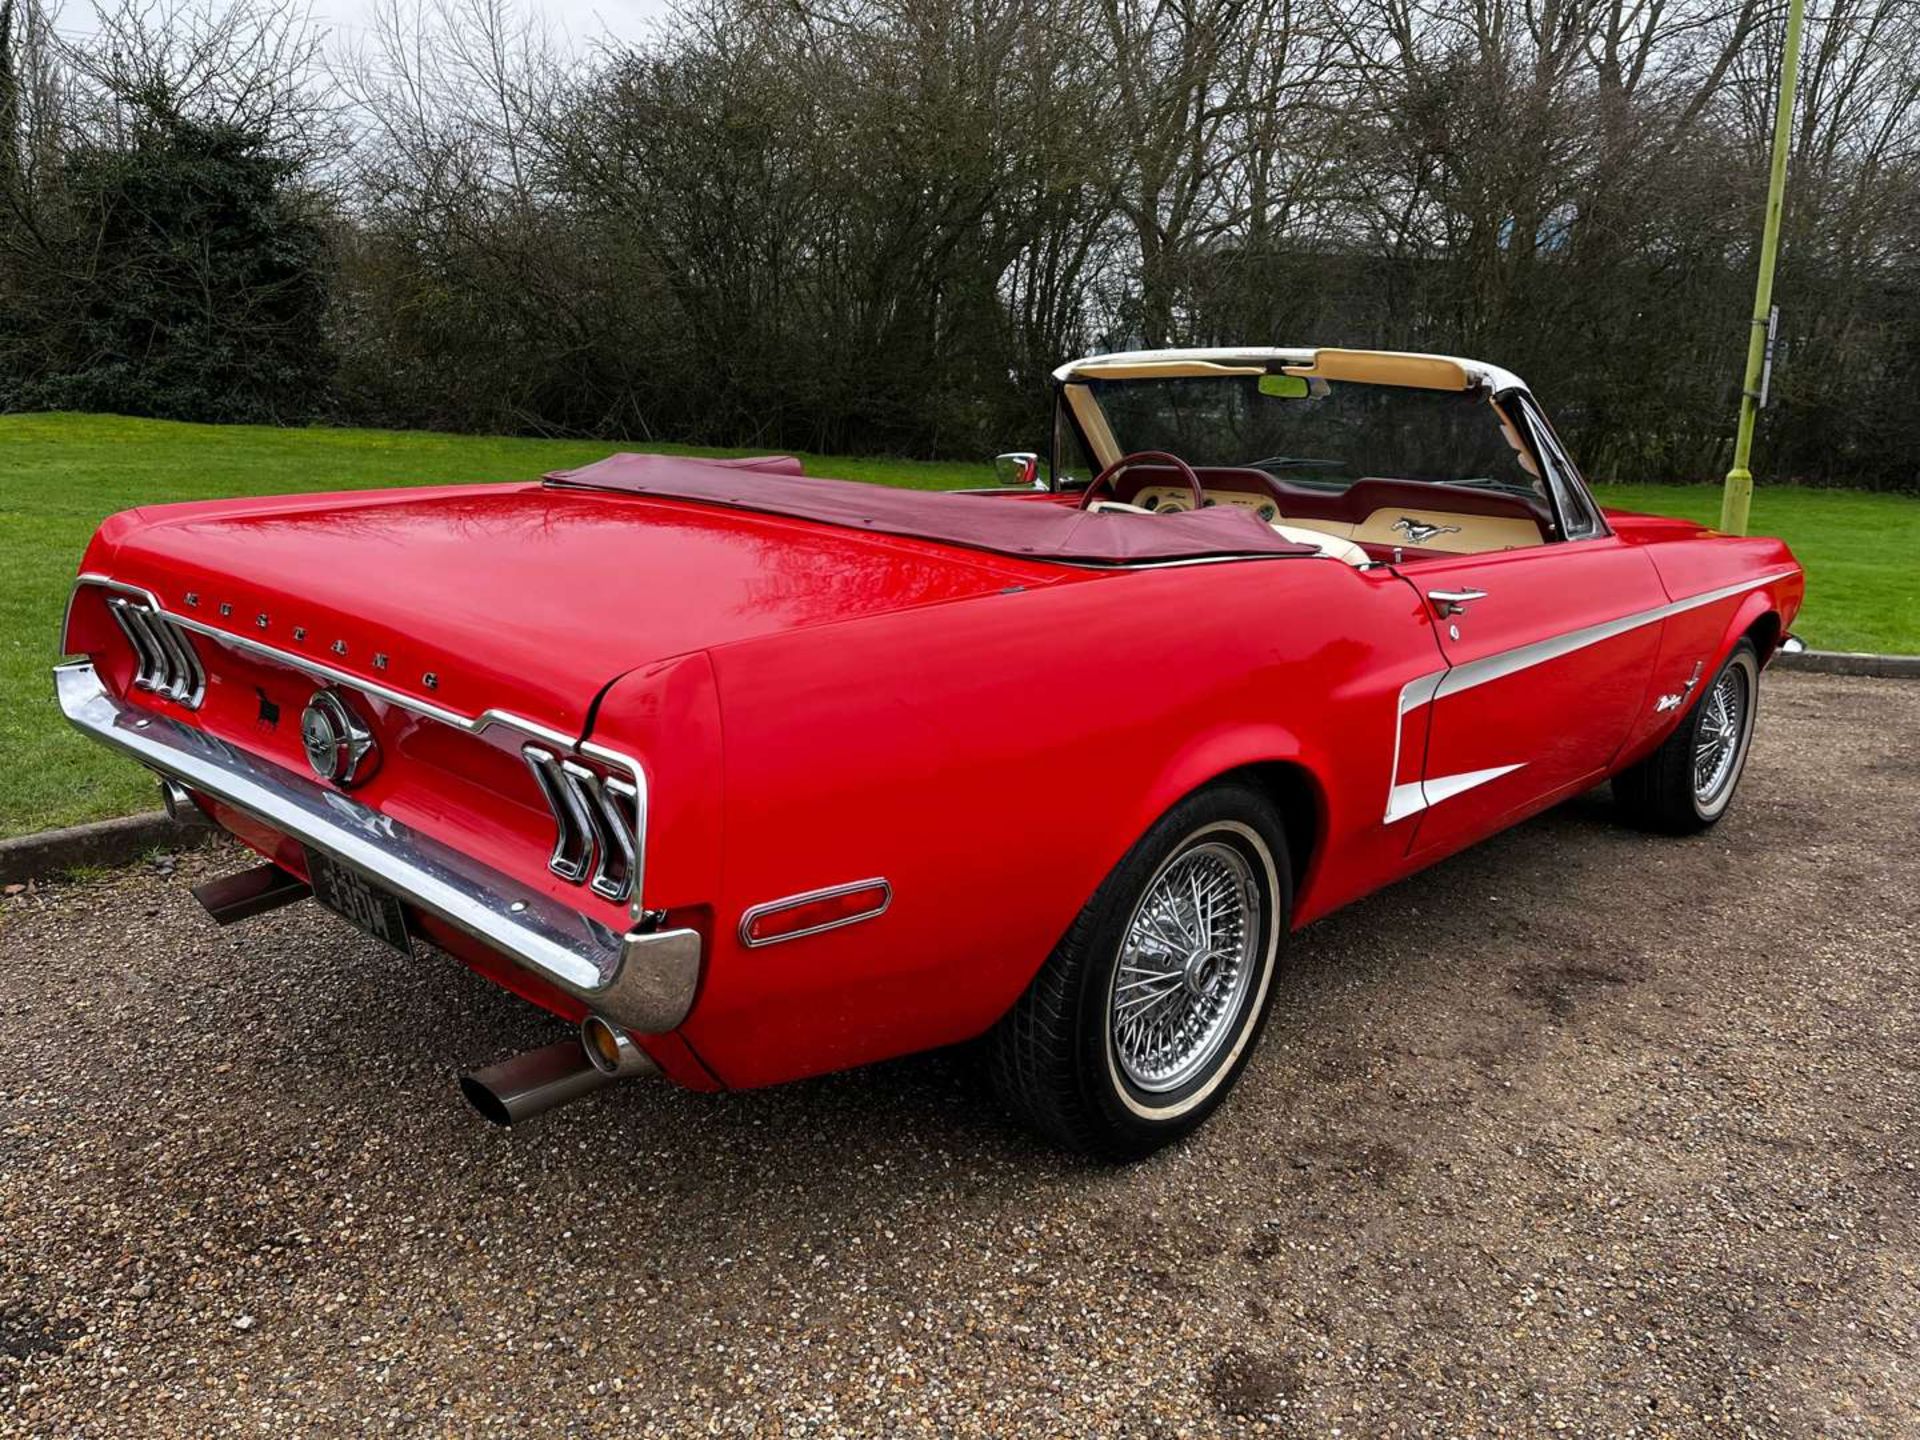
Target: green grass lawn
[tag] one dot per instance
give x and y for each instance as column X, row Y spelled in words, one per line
column 61, row 474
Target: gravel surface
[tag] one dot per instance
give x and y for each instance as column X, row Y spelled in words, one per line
column 1581, row 1132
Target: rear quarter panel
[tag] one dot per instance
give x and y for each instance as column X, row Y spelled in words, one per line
column 993, row 759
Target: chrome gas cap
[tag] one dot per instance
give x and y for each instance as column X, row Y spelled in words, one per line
column 339, row 744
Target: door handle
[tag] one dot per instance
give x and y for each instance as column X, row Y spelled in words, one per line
column 1453, row 602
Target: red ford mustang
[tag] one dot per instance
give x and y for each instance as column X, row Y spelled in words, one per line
column 756, row 776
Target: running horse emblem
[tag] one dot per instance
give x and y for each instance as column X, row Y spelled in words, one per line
column 1418, row 532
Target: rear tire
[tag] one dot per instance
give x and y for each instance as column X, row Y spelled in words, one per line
column 1148, row 1009
column 1686, row 785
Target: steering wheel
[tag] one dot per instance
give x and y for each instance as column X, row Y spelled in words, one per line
column 1104, row 480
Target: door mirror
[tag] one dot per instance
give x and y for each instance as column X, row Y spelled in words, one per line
column 1018, row 467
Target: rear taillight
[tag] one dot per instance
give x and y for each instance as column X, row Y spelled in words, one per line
column 595, row 823
column 164, row 658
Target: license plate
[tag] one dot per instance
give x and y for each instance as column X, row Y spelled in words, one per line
column 359, row 901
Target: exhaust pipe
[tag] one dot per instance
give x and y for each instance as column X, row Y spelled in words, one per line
column 611, row 1050
column 523, row 1086
column 249, row 893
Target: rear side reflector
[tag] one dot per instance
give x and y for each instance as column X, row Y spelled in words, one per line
column 814, row 911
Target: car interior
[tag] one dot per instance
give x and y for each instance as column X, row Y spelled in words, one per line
column 1373, row 519
column 1369, row 457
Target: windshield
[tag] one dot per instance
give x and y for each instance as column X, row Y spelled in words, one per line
column 1332, row 435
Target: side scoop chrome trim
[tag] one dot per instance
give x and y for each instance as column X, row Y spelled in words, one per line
column 644, row 981
column 1414, row 796
column 473, row 724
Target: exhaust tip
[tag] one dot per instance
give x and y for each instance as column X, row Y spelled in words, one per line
column 611, row 1050
column 482, row 1099
column 523, row 1086
column 180, row 805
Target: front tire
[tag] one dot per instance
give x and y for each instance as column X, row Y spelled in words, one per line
column 1686, row 785
column 1148, row 1009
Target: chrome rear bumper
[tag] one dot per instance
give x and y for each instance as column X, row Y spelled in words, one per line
column 644, row 981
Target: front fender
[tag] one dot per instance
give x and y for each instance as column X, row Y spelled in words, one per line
column 1695, row 642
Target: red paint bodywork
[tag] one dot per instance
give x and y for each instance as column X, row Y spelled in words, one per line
column 814, row 706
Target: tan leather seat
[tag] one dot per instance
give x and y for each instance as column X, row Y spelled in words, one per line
column 1331, row 546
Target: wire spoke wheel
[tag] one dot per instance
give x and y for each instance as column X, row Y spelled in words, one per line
column 1187, row 957
column 1720, row 734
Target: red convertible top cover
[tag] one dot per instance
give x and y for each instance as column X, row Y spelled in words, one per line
column 773, row 485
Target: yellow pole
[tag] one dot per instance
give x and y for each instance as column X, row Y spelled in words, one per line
column 1738, row 496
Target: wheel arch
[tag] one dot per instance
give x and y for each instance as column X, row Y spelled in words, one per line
column 1271, row 761
column 1756, row 618
column 1296, row 793
column 1766, row 632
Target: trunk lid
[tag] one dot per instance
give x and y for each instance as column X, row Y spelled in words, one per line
column 520, row 597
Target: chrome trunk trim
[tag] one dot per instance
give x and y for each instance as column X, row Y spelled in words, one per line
column 572, row 842
column 592, row 830
column 645, row 981
column 631, row 773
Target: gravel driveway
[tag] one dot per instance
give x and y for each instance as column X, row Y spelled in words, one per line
column 1582, row 1132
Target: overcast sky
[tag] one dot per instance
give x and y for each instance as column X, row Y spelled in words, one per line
column 584, row 21
column 581, row 21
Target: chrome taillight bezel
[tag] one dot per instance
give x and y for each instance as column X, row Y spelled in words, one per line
column 164, row 659
column 596, row 821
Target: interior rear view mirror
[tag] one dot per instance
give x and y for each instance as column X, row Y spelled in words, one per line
column 1285, row 387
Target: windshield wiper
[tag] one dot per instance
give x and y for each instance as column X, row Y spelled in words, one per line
column 1487, row 482
column 1295, row 462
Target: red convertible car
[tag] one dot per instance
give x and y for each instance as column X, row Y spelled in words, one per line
column 754, row 776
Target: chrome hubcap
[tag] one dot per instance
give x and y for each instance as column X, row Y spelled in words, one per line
column 1186, row 961
column 1716, row 746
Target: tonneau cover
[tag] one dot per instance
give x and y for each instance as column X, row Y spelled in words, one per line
column 1001, row 523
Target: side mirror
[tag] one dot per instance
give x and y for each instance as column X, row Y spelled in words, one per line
column 1018, row 467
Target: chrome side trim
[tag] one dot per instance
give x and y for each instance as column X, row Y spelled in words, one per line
column 645, row 981
column 787, row 902
column 1405, row 800
column 1411, row 798
column 1524, row 657
column 473, row 724
column 1445, row 787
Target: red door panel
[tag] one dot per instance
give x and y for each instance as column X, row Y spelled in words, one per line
column 1547, row 672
